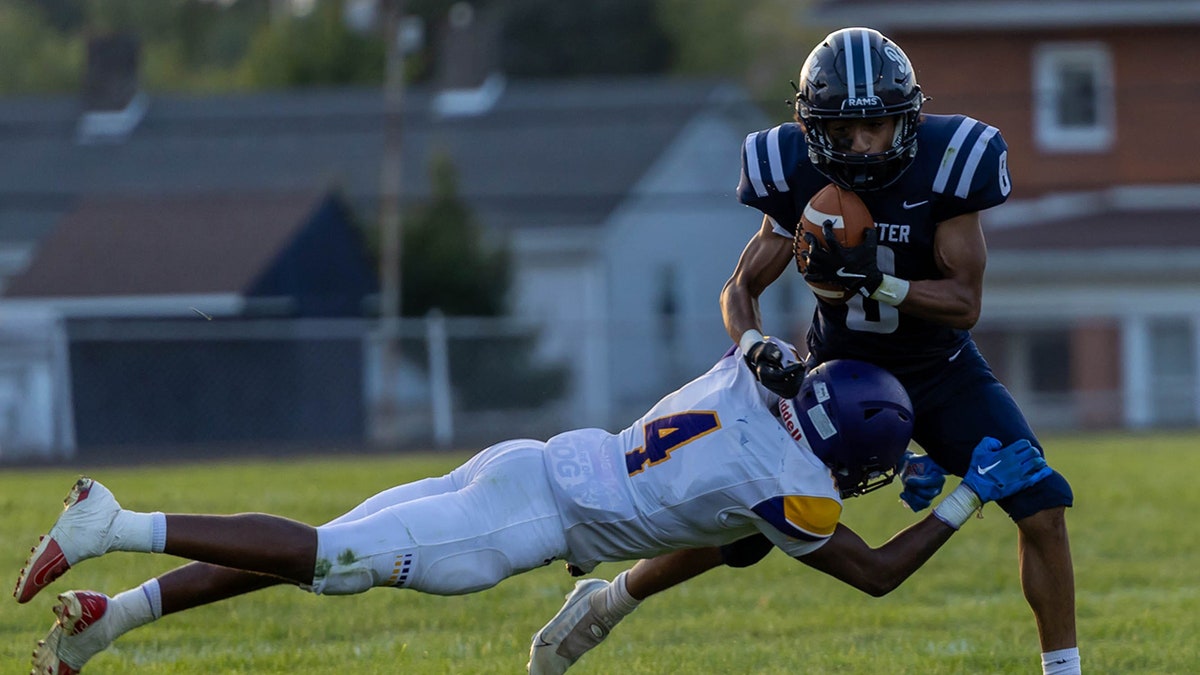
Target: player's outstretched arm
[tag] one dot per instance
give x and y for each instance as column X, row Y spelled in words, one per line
column 996, row 472
column 878, row 571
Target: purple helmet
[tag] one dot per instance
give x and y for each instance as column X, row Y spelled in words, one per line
column 858, row 420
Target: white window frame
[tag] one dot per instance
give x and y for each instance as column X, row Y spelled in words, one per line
column 1049, row 132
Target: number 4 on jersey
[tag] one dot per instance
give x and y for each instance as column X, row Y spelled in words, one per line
column 666, row 434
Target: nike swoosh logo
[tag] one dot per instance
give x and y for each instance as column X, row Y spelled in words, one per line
column 43, row 575
column 849, row 275
column 983, row 470
column 913, row 205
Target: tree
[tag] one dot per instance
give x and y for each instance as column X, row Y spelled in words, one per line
column 317, row 49
column 551, row 38
column 447, row 264
column 36, row 58
column 444, row 260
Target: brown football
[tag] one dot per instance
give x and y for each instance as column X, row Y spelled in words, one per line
column 851, row 220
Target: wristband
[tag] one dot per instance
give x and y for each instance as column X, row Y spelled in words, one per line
column 749, row 339
column 891, row 291
column 958, row 506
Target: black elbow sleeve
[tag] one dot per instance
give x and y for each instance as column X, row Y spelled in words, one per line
column 746, row 552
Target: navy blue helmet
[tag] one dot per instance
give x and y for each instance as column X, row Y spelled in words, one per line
column 858, row 73
column 858, row 420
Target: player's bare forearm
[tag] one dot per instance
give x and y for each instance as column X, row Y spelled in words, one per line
column 961, row 256
column 878, row 571
column 947, row 301
column 739, row 310
column 764, row 259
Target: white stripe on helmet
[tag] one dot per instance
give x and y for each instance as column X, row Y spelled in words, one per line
column 848, row 48
column 868, row 76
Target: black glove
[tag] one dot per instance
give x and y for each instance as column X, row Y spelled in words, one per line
column 854, row 268
column 766, row 362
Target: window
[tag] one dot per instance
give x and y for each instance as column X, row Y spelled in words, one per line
column 1073, row 97
column 1173, row 367
column 1050, row 362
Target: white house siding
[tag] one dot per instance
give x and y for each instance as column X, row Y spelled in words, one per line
column 35, row 408
column 1152, row 300
column 560, row 283
column 681, row 231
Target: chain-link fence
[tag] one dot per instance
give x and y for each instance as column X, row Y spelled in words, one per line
column 153, row 389
column 188, row 387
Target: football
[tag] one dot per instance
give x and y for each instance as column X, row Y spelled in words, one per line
column 851, row 220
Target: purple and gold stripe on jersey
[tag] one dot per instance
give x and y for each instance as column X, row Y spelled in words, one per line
column 801, row 517
column 962, row 156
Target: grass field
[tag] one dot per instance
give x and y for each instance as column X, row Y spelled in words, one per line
column 1134, row 535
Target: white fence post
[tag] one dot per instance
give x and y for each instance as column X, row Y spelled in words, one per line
column 439, row 378
column 1137, row 372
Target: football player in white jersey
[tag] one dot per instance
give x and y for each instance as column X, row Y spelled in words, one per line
column 715, row 461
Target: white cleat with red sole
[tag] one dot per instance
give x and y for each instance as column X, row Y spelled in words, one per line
column 82, row 531
column 79, row 634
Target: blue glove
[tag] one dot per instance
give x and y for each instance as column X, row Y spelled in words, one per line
column 923, row 480
column 996, row 472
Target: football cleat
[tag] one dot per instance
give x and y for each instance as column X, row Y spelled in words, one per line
column 82, row 531
column 579, row 626
column 79, row 634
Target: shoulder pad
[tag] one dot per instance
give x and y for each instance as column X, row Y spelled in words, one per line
column 807, row 518
column 769, row 158
column 973, row 164
column 775, row 167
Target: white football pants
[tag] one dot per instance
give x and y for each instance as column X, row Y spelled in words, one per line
column 489, row 519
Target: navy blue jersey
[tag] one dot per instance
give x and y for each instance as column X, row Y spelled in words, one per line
column 960, row 167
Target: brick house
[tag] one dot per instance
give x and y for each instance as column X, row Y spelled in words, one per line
column 1092, row 303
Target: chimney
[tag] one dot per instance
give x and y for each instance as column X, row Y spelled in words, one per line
column 113, row 103
column 468, row 74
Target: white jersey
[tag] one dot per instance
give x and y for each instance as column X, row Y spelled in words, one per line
column 707, row 465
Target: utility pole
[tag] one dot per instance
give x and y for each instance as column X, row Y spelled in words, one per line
column 386, row 428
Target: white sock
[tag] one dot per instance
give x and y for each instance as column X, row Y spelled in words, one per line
column 617, row 599
column 141, row 532
column 1061, row 662
column 135, row 607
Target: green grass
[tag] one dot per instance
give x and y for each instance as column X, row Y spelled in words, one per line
column 1134, row 536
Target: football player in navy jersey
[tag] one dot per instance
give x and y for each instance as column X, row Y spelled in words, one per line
column 918, row 284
